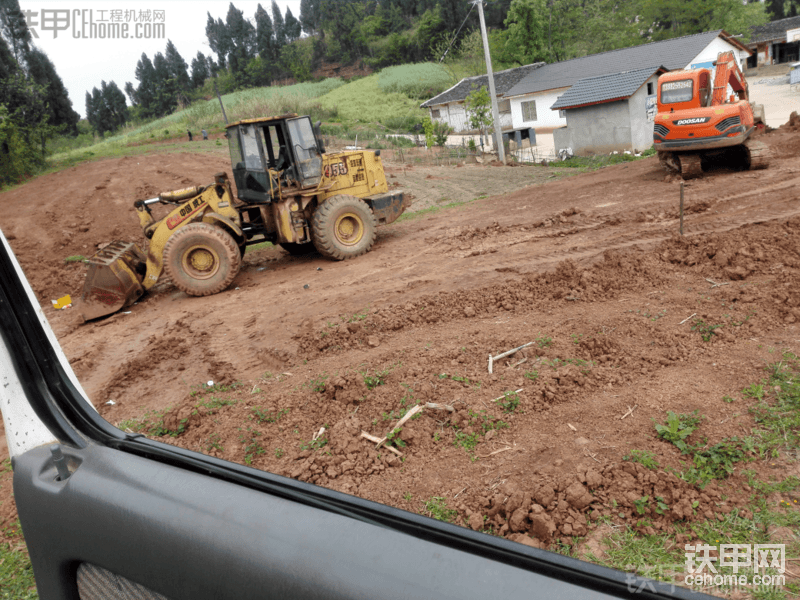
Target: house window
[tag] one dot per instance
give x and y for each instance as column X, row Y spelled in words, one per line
column 504, row 107
column 562, row 114
column 435, row 114
column 650, row 88
column 529, row 111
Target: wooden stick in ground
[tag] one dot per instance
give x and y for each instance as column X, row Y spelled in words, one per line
column 630, row 411
column 510, row 352
column 495, row 452
column 681, row 209
column 372, row 438
column 687, row 318
column 490, row 363
column 400, row 423
column 435, row 406
column 504, row 395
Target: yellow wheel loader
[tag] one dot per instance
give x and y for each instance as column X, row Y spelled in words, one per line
column 289, row 191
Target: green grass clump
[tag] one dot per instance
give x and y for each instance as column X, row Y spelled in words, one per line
column 778, row 409
column 436, row 507
column 16, row 575
column 643, row 457
column 419, row 81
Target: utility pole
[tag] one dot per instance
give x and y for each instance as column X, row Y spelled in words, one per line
column 498, row 131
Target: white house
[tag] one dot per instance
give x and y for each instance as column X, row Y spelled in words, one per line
column 530, row 99
column 448, row 107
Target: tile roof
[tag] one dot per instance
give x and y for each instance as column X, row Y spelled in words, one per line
column 673, row 54
column 776, row 30
column 605, row 88
column 503, row 81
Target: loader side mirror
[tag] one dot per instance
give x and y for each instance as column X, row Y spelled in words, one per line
column 318, row 133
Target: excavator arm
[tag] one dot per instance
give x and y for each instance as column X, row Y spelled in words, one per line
column 728, row 73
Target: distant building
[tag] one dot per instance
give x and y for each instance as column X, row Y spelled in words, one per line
column 448, row 107
column 609, row 113
column 528, row 95
column 775, row 42
column 532, row 98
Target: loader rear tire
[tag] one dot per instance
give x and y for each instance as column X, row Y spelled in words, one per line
column 343, row 227
column 202, row 259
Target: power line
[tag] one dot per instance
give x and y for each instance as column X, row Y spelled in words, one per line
column 455, row 37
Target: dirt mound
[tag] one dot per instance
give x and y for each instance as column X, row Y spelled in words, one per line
column 793, row 124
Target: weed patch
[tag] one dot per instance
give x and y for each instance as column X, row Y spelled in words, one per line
column 436, row 507
column 643, row 457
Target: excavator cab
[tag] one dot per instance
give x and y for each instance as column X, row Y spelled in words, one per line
column 274, row 152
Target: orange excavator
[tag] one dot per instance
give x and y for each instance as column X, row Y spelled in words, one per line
column 698, row 124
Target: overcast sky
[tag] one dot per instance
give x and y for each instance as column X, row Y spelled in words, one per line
column 83, row 63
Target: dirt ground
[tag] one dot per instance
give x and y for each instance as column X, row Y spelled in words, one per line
column 590, row 268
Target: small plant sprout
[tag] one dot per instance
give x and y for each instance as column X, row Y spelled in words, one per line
column 509, row 402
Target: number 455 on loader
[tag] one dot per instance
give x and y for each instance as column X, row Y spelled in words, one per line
column 289, row 192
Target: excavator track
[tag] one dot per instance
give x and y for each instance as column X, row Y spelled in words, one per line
column 687, row 165
column 691, row 166
column 669, row 162
column 759, row 154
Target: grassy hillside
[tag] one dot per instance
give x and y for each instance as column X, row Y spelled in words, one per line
column 364, row 101
column 385, row 101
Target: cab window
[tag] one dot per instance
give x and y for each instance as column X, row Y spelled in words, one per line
column 252, row 157
column 677, row 91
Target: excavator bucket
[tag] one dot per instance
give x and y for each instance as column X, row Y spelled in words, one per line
column 114, row 280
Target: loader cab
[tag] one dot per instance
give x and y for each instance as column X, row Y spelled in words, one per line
column 276, row 150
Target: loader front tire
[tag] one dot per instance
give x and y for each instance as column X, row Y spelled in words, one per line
column 202, row 259
column 343, row 227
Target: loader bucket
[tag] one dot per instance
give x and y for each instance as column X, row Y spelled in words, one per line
column 114, row 280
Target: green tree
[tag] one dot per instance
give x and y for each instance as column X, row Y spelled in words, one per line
column 200, row 71
column 527, row 31
column 18, row 156
column 265, row 44
column 242, row 37
column 298, row 59
column 671, row 18
column 14, row 29
column 106, row 110
column 291, row 26
column 277, row 26
column 178, row 72
column 146, row 90
column 342, row 21
column 478, row 106
column 309, row 15
column 218, row 39
column 61, row 114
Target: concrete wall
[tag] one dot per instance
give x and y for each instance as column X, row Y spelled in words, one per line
column 455, row 115
column 544, row 116
column 596, row 129
column 718, row 45
column 641, row 119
